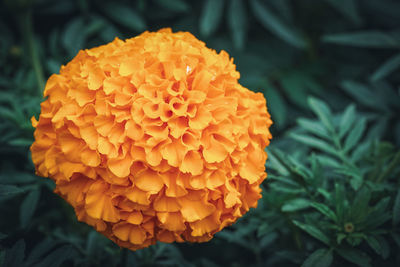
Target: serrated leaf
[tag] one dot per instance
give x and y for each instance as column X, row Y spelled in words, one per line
column 340, row 199
column 328, row 161
column 325, row 210
column 367, row 39
column 347, row 120
column 125, row 15
column 396, row 209
column 362, row 94
column 270, row 21
column 374, row 244
column 314, row 142
column 8, row 190
column 210, row 17
column 314, row 127
column 296, row 204
column 388, row 67
column 313, row 231
column 319, row 258
column 28, row 207
column 354, row 256
column 360, row 205
column 281, row 187
column 237, row 22
column 355, row 134
column 323, row 112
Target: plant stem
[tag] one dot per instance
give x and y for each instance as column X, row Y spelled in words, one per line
column 26, row 22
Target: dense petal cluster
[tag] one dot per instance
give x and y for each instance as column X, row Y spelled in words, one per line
column 153, row 139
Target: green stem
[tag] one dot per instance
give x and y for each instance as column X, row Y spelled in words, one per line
column 26, row 23
column 393, row 164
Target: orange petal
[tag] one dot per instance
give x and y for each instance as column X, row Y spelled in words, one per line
column 164, row 203
column 201, row 120
column 120, row 167
column 133, row 130
column 172, row 221
column 193, row 210
column 192, row 163
column 173, row 152
column 99, row 204
column 89, row 135
column 90, row 157
column 216, row 152
column 128, row 232
column 149, row 181
column 138, row 196
column 135, row 217
column 206, row 225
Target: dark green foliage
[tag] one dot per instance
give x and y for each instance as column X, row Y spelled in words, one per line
column 329, row 70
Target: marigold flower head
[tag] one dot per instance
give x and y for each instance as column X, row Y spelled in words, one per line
column 153, row 139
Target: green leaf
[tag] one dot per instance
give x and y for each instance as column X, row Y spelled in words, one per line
column 56, row 257
column 8, row 190
column 314, row 127
column 374, row 244
column 40, row 250
column 362, row 94
column 313, row 231
column 384, row 244
column 15, row 256
column 388, row 67
column 367, row 39
column 347, row 119
column 125, row 15
column 325, row 210
column 285, row 188
column 179, row 6
column 21, row 142
column 323, row 112
column 296, row 204
column 210, row 17
column 360, row 205
column 340, row 238
column 276, row 105
column 396, row 209
column 348, row 8
column 28, row 207
column 319, row 258
column 314, row 142
column 73, row 38
column 354, row 256
column 237, row 22
column 270, row 21
column 340, row 200
column 355, row 134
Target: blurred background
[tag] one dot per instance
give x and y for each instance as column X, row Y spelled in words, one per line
column 330, row 72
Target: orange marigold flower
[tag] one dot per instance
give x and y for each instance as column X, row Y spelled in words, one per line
column 153, row 139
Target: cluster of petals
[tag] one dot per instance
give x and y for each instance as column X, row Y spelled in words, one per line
column 153, row 139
